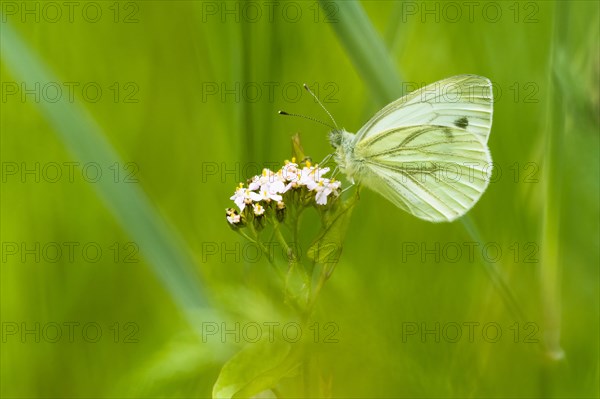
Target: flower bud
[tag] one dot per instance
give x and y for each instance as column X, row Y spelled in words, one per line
column 234, row 218
column 259, row 216
column 280, row 211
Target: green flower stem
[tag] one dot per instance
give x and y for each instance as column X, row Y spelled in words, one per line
column 264, row 249
column 295, row 223
column 317, row 289
column 260, row 245
column 289, row 251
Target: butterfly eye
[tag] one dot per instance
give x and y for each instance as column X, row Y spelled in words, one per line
column 335, row 138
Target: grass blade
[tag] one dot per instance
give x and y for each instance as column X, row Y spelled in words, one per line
column 550, row 270
column 166, row 254
column 366, row 50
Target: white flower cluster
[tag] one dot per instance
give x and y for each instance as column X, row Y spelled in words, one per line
column 271, row 186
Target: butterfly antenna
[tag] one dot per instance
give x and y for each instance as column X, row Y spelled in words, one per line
column 321, row 104
column 307, row 117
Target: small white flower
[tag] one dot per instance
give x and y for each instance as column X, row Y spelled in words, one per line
column 335, row 185
column 255, row 183
column 320, row 172
column 290, row 171
column 258, row 209
column 276, row 187
column 234, row 218
column 242, row 197
column 308, row 176
column 324, row 188
column 269, row 181
column 265, row 195
column 312, row 177
column 239, row 193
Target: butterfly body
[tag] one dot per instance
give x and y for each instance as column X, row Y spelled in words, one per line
column 425, row 152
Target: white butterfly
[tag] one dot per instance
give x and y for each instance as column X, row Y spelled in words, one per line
column 427, row 151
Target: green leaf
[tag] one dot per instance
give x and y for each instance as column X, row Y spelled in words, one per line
column 257, row 368
column 297, row 150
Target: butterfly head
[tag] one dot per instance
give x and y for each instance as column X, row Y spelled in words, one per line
column 336, row 137
column 343, row 142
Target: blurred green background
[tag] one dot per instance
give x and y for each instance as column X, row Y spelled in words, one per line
column 189, row 95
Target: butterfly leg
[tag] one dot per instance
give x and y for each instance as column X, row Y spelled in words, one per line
column 326, row 159
column 349, row 187
column 336, row 170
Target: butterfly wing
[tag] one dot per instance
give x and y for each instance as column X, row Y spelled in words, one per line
column 436, row 173
column 462, row 101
